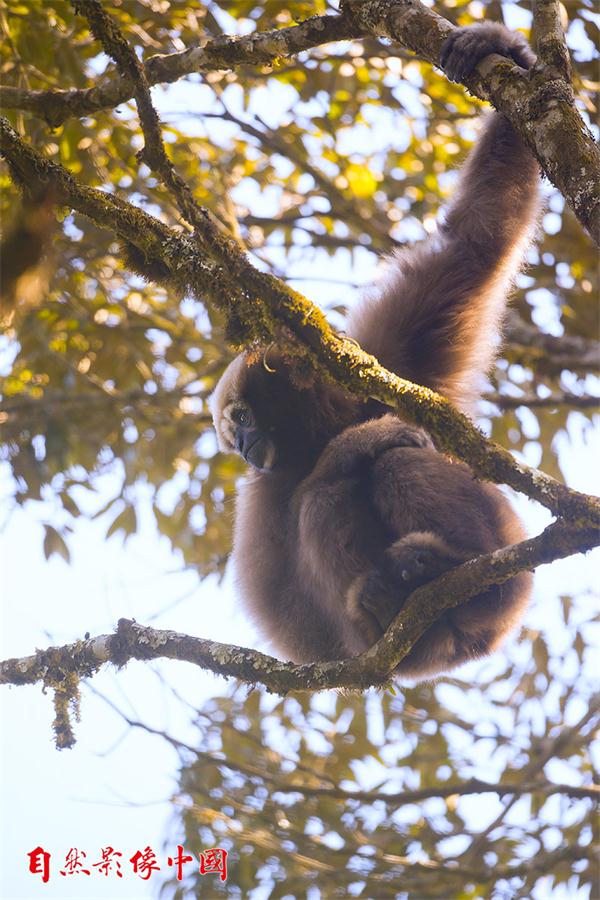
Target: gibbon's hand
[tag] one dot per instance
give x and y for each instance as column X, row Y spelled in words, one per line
column 467, row 46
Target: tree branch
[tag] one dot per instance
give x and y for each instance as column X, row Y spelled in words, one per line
column 153, row 153
column 44, row 407
column 220, row 53
column 260, row 307
column 395, row 798
column 531, row 345
column 539, row 104
column 549, row 37
column 82, row 659
column 532, row 401
column 558, row 745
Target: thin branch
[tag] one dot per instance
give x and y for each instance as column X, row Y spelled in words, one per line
column 219, row 54
column 559, row 352
column 153, row 153
column 532, row 401
column 262, row 308
column 458, row 789
column 395, row 798
column 555, row 747
column 345, row 206
column 34, row 409
column 373, row 667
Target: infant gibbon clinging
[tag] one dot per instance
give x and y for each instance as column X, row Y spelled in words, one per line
column 347, row 509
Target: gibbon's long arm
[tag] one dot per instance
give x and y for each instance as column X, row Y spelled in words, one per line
column 436, row 318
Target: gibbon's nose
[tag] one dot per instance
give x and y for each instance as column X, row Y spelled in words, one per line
column 254, row 447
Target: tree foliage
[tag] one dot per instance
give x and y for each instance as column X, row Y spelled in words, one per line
column 272, row 780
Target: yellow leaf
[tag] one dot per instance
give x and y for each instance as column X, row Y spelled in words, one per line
column 361, row 180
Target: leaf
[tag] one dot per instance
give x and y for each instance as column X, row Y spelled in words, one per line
column 361, row 180
column 126, row 521
column 54, row 543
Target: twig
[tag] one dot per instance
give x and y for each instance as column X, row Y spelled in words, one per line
column 553, row 748
column 548, row 351
column 153, row 153
column 395, row 798
column 532, row 401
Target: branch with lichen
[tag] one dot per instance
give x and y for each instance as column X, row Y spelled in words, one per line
column 261, row 49
column 259, row 308
column 549, row 38
column 60, row 668
column 539, row 103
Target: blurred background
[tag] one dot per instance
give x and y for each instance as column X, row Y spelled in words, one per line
column 116, row 503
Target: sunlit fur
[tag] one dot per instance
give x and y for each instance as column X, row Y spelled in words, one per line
column 357, row 507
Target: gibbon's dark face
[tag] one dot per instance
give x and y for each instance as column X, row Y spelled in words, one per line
column 261, row 413
column 236, row 424
column 254, row 444
column 258, row 413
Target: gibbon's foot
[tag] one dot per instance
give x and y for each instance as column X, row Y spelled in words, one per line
column 466, row 47
column 409, row 563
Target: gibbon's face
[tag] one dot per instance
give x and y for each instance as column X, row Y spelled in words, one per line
column 253, row 413
column 244, row 435
column 275, row 416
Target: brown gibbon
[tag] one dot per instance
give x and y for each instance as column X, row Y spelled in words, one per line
column 347, row 509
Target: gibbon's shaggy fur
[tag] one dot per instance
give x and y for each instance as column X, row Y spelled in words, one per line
column 347, row 508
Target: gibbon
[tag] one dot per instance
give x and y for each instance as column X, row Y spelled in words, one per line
column 346, row 508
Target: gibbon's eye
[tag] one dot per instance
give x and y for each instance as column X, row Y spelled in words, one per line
column 242, row 417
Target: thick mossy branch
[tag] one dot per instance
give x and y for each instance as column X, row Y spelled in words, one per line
column 260, row 307
column 373, row 668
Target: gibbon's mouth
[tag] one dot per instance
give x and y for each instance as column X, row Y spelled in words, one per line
column 256, row 449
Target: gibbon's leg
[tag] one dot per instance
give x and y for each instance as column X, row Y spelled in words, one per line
column 436, row 317
column 334, row 510
column 442, row 516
